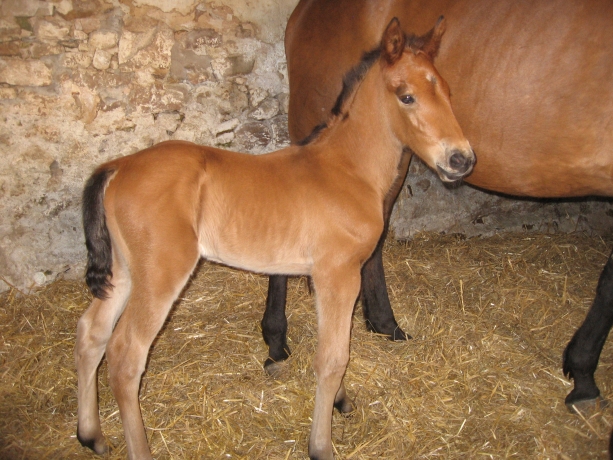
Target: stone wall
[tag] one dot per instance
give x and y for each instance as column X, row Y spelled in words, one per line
column 425, row 204
column 84, row 81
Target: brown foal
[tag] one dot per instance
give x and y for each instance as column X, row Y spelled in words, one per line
column 315, row 209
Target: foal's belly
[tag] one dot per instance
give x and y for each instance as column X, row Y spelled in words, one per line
column 258, row 255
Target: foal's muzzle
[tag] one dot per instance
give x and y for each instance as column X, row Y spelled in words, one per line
column 459, row 165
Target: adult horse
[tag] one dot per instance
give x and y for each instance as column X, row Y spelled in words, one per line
column 316, row 210
column 531, row 84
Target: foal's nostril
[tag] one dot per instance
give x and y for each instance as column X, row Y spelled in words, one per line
column 459, row 162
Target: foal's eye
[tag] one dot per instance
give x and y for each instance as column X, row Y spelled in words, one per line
column 407, row 99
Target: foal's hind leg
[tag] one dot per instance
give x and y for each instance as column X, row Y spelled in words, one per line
column 336, row 292
column 156, row 285
column 93, row 332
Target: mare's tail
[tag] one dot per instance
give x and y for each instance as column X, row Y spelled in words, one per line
column 97, row 238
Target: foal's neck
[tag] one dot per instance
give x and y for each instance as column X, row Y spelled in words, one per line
column 362, row 135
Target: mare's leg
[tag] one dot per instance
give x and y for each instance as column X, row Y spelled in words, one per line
column 274, row 324
column 583, row 351
column 375, row 301
column 336, row 291
column 93, row 332
column 159, row 273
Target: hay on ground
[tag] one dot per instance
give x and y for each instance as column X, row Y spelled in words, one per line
column 481, row 378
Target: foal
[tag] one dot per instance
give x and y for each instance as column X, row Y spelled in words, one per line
column 313, row 210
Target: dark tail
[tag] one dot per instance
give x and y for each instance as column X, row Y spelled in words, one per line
column 97, row 238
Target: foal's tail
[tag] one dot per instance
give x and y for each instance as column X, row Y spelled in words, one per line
column 97, row 238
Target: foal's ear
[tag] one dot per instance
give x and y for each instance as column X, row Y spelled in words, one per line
column 393, row 42
column 432, row 40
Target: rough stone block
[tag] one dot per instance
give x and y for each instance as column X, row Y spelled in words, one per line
column 187, row 65
column 182, row 6
column 77, row 60
column 257, row 95
column 9, row 29
column 226, row 126
column 51, row 30
column 103, row 39
column 11, row 48
column 267, row 109
column 254, row 136
column 102, row 59
column 63, row 6
column 137, row 51
column 27, row 8
column 168, row 121
column 24, row 73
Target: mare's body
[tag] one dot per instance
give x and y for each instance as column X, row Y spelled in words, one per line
column 531, row 88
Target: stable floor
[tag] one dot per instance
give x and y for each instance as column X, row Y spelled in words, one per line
column 481, row 377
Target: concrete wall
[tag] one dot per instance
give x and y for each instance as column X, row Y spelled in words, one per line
column 85, row 81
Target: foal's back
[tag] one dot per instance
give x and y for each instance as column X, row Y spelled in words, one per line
column 265, row 213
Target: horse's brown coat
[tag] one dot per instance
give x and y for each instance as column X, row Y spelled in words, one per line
column 530, row 81
column 316, row 210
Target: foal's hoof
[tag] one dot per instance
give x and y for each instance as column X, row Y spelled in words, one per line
column 587, row 406
column 273, row 368
column 323, row 455
column 345, row 406
column 98, row 445
column 320, row 457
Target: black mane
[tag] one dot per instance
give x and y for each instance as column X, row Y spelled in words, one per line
column 354, row 76
column 350, row 81
column 314, row 134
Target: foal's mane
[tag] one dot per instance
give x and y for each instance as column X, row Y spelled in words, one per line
column 351, row 81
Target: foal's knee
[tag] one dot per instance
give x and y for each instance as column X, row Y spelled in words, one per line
column 91, row 340
column 126, row 365
column 331, row 366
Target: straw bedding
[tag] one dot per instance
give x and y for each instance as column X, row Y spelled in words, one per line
column 481, row 378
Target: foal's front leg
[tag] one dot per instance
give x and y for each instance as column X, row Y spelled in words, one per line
column 336, row 292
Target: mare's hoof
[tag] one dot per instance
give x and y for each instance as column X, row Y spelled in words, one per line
column 587, row 406
column 273, row 368
column 390, row 331
column 399, row 335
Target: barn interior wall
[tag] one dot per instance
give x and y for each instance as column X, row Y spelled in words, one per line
column 82, row 82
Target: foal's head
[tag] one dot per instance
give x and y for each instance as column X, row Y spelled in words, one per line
column 419, row 102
